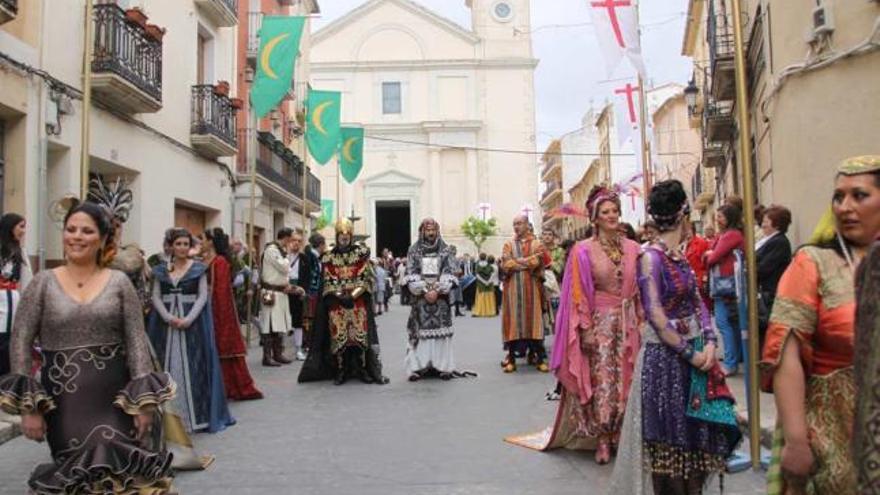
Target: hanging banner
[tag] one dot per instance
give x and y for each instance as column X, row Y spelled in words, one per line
column 328, row 210
column 279, row 47
column 626, row 110
column 351, row 153
column 617, row 31
column 322, row 124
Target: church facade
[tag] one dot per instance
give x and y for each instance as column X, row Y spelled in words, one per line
column 448, row 113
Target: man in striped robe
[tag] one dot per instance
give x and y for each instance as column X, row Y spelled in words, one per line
column 522, row 265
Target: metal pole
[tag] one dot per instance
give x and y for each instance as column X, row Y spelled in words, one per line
column 87, row 102
column 745, row 157
column 252, row 165
column 645, row 150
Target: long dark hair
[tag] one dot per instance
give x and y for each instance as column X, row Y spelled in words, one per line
column 733, row 215
column 102, row 220
column 10, row 248
column 220, row 241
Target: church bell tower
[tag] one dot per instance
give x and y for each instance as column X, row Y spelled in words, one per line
column 504, row 26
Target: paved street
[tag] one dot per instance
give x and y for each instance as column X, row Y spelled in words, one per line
column 430, row 437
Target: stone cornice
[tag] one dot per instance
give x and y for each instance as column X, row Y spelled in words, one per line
column 447, row 64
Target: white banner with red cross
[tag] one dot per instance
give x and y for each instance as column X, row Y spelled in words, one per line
column 617, row 31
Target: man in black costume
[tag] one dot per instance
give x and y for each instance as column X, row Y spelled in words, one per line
column 344, row 339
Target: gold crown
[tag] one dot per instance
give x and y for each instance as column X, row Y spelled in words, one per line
column 344, row 226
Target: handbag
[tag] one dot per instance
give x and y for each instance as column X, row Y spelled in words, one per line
column 720, row 286
column 710, row 399
column 267, row 297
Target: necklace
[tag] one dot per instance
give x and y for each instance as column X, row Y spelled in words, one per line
column 80, row 285
column 614, row 251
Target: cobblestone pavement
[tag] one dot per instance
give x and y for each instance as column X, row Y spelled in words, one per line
column 429, row 437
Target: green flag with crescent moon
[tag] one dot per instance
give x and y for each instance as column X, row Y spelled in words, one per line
column 322, row 124
column 279, row 46
column 351, row 153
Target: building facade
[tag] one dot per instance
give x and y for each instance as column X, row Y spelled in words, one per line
column 441, row 106
column 162, row 116
column 273, row 147
column 802, row 124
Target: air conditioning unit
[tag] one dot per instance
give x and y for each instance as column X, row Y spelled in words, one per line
column 823, row 23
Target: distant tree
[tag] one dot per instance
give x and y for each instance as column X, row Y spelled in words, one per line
column 321, row 223
column 478, row 230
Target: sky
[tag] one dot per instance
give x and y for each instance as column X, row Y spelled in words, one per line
column 567, row 80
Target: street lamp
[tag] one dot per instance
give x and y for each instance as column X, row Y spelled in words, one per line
column 690, row 95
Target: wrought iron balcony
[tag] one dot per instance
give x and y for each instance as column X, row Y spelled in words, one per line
column 718, row 123
column 314, row 189
column 279, row 171
column 8, row 10
column 212, row 122
column 127, row 63
column 223, row 13
column 719, row 31
column 255, row 22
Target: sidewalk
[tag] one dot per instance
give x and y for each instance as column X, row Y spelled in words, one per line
column 767, row 410
column 9, row 427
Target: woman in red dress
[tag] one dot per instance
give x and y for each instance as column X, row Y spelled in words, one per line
column 230, row 345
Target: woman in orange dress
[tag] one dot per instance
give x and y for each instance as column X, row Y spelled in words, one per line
column 808, row 355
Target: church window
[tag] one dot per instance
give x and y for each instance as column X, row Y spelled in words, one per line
column 391, row 97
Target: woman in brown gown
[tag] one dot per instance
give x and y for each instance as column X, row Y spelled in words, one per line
column 98, row 398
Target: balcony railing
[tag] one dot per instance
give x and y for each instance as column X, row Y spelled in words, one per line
column 255, row 22
column 719, row 32
column 212, row 123
column 224, row 13
column 314, row 189
column 8, row 10
column 718, row 123
column 127, row 63
column 552, row 187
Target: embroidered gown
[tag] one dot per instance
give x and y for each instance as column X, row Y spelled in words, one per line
column 659, row 438
column 96, row 374
column 867, row 371
column 522, row 308
column 600, row 306
column 815, row 304
column 237, row 379
column 189, row 355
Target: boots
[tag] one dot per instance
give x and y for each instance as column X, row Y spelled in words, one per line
column 267, row 351
column 278, row 349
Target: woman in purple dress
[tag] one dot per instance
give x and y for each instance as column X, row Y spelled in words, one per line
column 680, row 425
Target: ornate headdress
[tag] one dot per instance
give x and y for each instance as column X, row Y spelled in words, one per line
column 115, row 197
column 598, row 195
column 859, row 165
column 344, row 226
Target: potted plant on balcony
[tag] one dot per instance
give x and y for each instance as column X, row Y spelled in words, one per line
column 136, row 16
column 155, row 32
column 221, row 88
column 237, row 103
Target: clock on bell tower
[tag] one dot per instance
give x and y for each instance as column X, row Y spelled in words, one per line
column 503, row 25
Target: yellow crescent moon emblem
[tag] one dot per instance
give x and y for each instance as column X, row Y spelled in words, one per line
column 318, row 114
column 267, row 53
column 346, row 149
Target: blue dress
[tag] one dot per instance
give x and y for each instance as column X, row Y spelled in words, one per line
column 189, row 355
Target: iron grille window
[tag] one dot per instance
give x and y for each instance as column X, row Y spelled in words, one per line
column 391, row 97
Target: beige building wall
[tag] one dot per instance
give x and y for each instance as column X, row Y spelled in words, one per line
column 804, row 121
column 462, row 91
column 153, row 151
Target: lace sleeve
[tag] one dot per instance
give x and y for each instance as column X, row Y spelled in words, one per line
column 650, row 286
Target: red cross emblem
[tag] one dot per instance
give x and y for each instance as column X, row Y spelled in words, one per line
column 629, row 90
column 611, row 6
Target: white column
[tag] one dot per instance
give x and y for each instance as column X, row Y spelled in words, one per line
column 472, row 180
column 435, row 176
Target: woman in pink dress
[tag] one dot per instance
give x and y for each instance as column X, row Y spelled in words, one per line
column 597, row 336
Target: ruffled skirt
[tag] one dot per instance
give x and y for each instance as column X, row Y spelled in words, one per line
column 93, row 442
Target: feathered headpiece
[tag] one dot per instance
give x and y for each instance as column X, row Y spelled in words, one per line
column 597, row 195
column 116, row 197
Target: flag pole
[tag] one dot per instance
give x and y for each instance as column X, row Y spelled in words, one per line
column 252, row 166
column 87, row 101
column 645, row 150
column 338, row 185
column 745, row 155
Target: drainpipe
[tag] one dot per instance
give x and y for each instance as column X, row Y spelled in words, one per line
column 40, row 219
